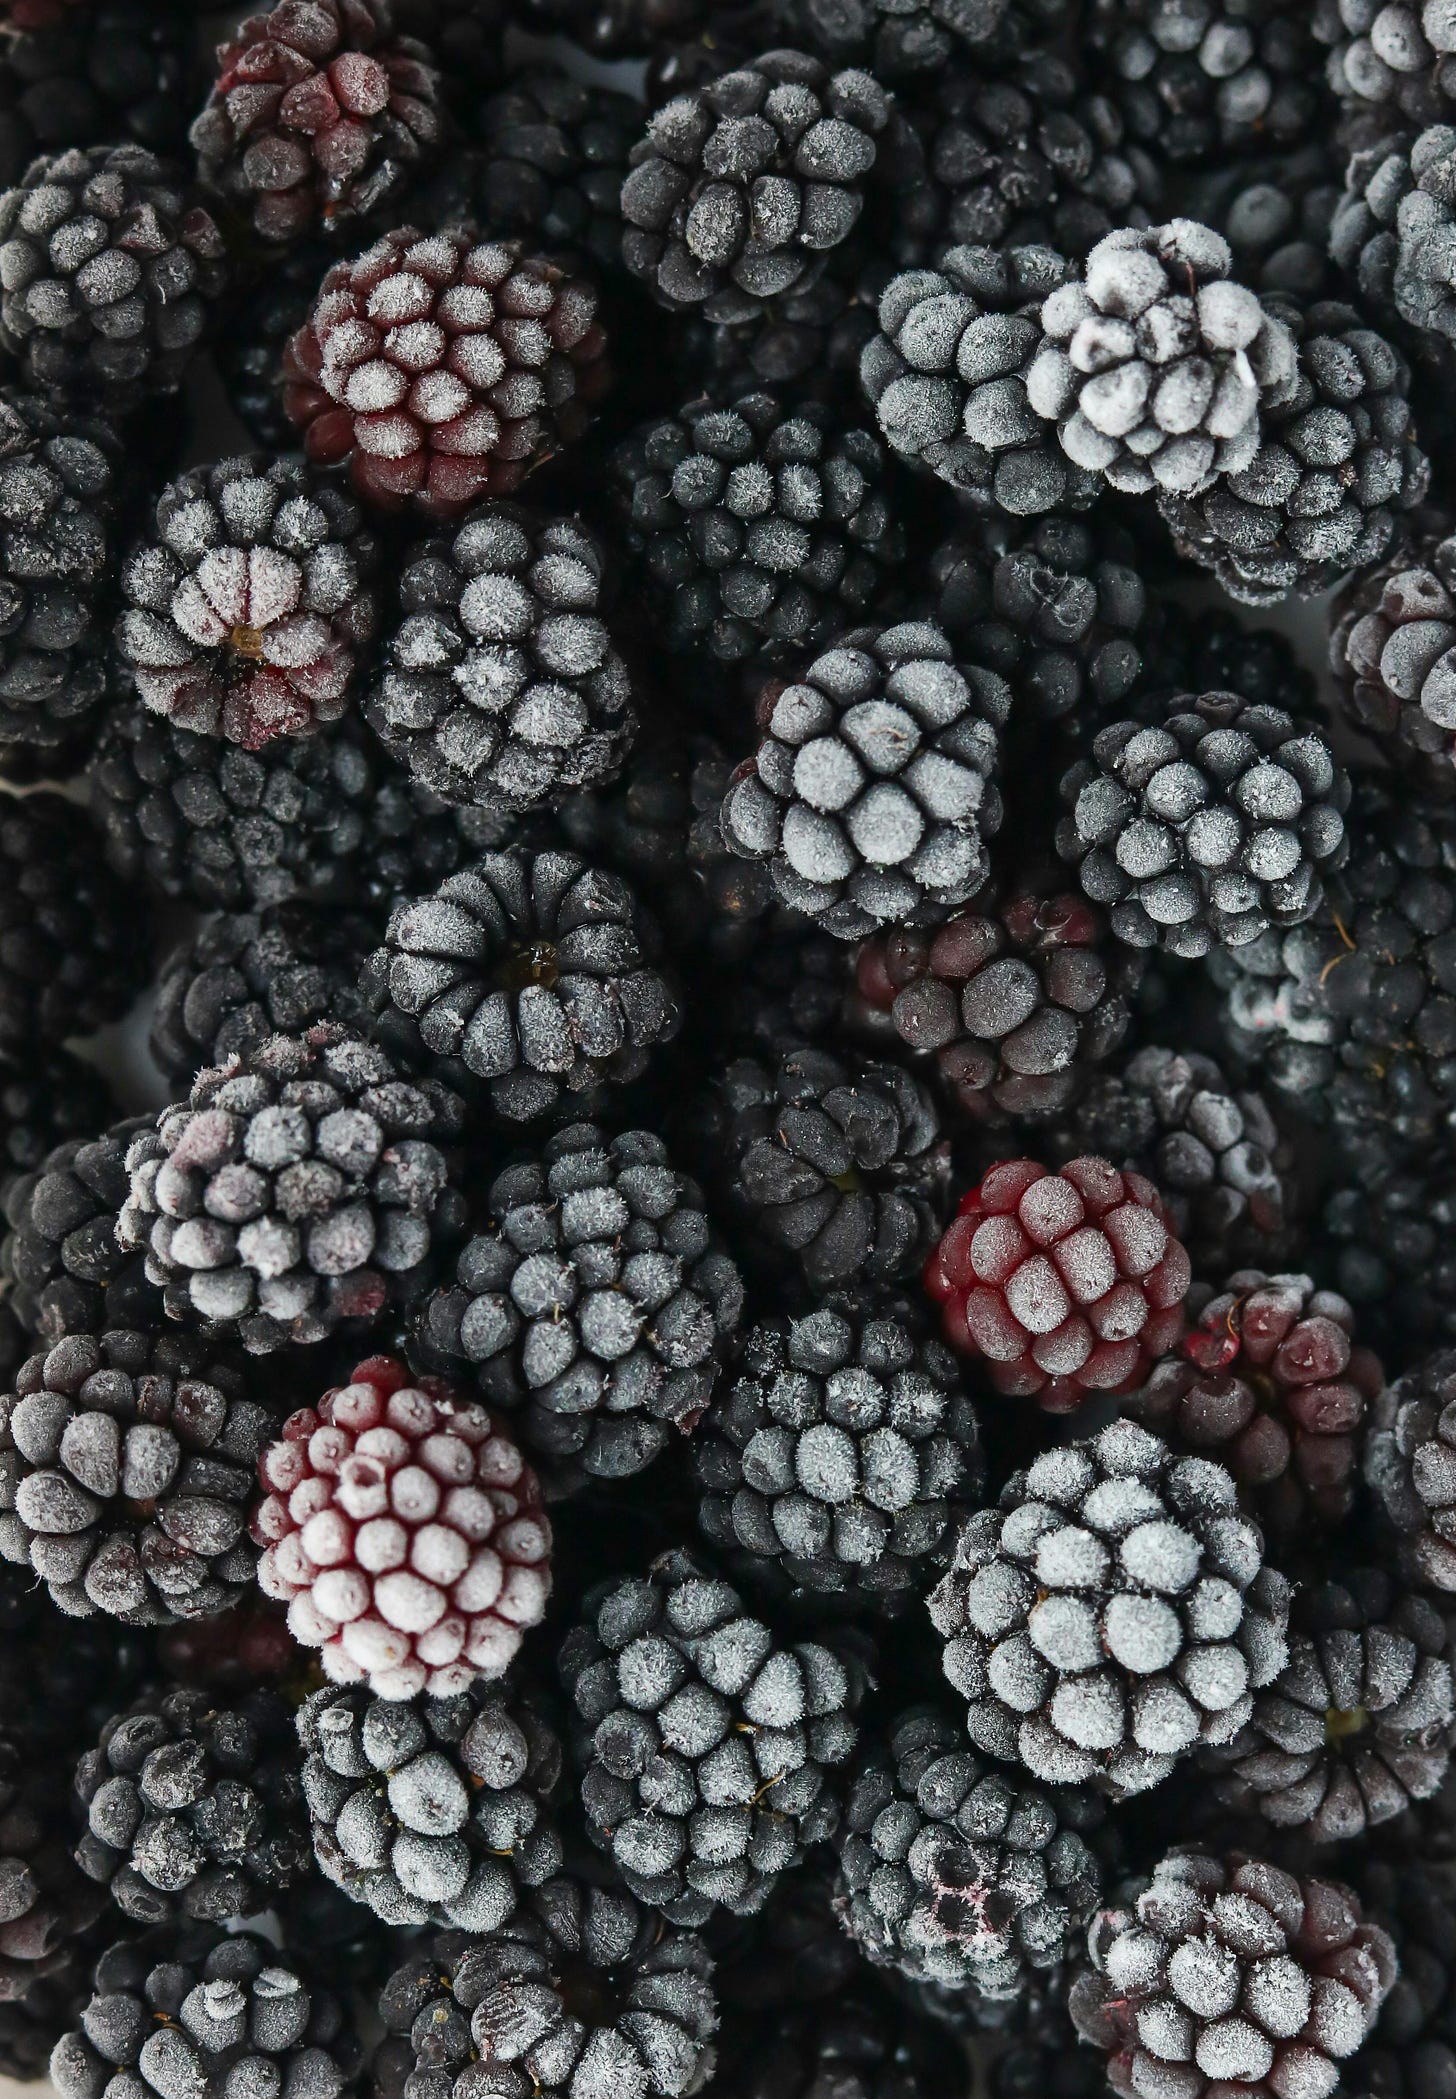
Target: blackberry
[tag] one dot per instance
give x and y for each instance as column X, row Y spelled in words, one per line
column 1385, row 1241
column 1087, row 1667
column 1237, row 1971
column 319, row 115
column 111, row 274
column 126, row 1466
column 595, row 1307
column 251, row 974
column 1410, row 1466
column 32, row 2022
column 951, row 1873
column 1412, row 2053
column 1391, row 651
column 1365, row 237
column 45, row 1100
column 741, row 188
column 115, row 69
column 72, row 944
column 865, row 2045
column 1276, row 216
column 439, row 369
column 1199, row 79
column 1157, row 368
column 581, row 1992
column 947, row 377
column 1063, row 1283
column 757, row 529
column 435, row 1811
column 47, row 1906
column 1391, row 63
column 524, row 977
column 249, row 604
column 248, row 350
column 57, row 497
column 298, row 1189
column 65, row 1272
column 837, row 1162
column 1209, row 829
column 62, row 1678
column 707, row 1748
column 402, row 1585
column 928, row 36
column 501, row 682
column 842, row 1455
column 1358, row 1722
column 808, row 342
column 1015, row 1001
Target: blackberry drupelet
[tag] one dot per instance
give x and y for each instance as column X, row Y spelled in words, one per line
column 435, row 1811
column 1199, row 79
column 501, row 683
column 757, row 528
column 1385, row 1241
column 46, row 1098
column 1410, row 1467
column 1276, row 216
column 72, row 942
column 1391, row 650
column 902, row 42
column 708, row 1749
column 59, row 1257
column 1111, row 1615
column 842, row 1455
column 1016, row 1001
column 319, row 115
column 127, row 1462
column 1391, row 63
column 298, row 1189
column 46, row 1906
column 874, row 792
column 952, row 1873
column 117, row 69
column 595, row 1306
column 112, row 273
column 1207, row 830
column 440, row 368
column 250, row 974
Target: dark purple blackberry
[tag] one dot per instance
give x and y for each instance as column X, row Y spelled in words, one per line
column 1208, row 649
column 65, row 1271
column 73, row 942
column 1391, row 652
column 1276, row 216
column 62, row 1678
column 1392, row 64
column 45, row 1904
column 808, row 343
column 255, row 331
column 1197, row 80
column 1387, row 1241
column 112, row 69
column 1412, row 2053
column 900, row 43
column 46, row 1100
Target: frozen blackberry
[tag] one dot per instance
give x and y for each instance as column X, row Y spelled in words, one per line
column 65, row 1271
column 952, row 1873
column 1391, row 649
column 1385, row 1239
column 46, row 1905
column 111, row 274
column 757, row 528
column 581, row 1993
column 903, row 42
column 404, row 1530
column 841, row 1456
column 524, row 977
column 62, row 1678
column 1365, row 242
column 440, row 368
column 1357, row 1724
column 1209, row 829
column 866, row 2044
column 249, row 605
column 595, row 1307
column 204, row 2011
column 1016, row 1001
column 501, row 683
column 1111, row 1615
column 251, row 974
column 302, row 1187
column 1412, row 2053
column 126, row 1466
column 1276, row 216
column 1337, row 465
column 947, row 377
column 436, row 1811
column 1410, row 1465
column 319, row 115
column 836, row 1161
column 1199, row 79
column 1423, row 284
column 740, row 189
column 72, row 942
column 46, row 1099
column 1157, row 368
column 57, row 491
column 707, row 1748
column 1063, row 1283
column 412, row 840
column 114, row 69
column 874, row 791
column 32, row 2022
column 1391, row 62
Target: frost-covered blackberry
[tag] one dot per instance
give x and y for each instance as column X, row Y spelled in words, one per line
column 247, row 975
column 72, row 940
column 1410, row 1465
column 1391, row 650
column 59, row 1257
column 1198, row 80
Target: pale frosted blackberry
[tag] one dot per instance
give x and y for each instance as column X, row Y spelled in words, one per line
column 835, row 1161
column 524, row 977
column 192, row 1809
column 582, row 1993
column 708, row 1749
column 112, row 273
column 1410, row 1465
column 65, row 1272
column 1357, row 1724
column 300, row 1188
column 595, row 1305
column 116, row 69
column 951, row 1872
column 1199, row 79
column 1111, row 1615
column 73, row 941
column 1392, row 62
column 436, row 1810
column 1232, row 1971
column 1337, row 465
column 1157, row 368
column 127, row 1462
column 46, row 1099
column 501, row 682
column 841, row 1456
column 1393, row 652
column 947, row 378
column 757, row 528
column 874, row 791
column 1208, row 830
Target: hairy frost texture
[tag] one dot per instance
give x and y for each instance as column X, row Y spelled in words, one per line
column 1392, row 62
column 1232, row 1975
column 1112, row 1615
column 248, row 608
column 1393, row 652
column 1410, row 1466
